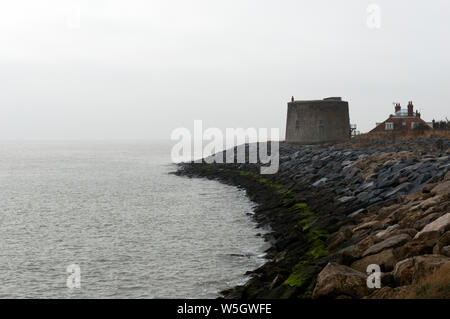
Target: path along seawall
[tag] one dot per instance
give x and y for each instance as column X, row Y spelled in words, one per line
column 333, row 210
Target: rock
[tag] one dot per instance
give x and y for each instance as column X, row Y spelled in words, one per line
column 442, row 188
column 356, row 213
column 391, row 293
column 430, row 202
column 384, row 259
column 422, row 222
column 336, row 240
column 387, row 180
column 365, row 196
column 337, row 280
column 387, row 279
column 366, row 225
column 445, row 239
column 411, row 270
column 440, row 225
column 446, row 251
column 367, row 186
column 387, row 231
column 320, row 182
column 400, row 189
column 348, row 255
column 394, row 241
column 416, row 247
column 447, row 177
column 276, row 281
column 346, row 199
column 346, row 163
column 402, row 180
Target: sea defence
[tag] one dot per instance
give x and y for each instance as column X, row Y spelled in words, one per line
column 335, row 210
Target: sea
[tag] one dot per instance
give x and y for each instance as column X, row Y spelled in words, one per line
column 106, row 219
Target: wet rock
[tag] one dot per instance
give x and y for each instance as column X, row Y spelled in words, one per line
column 365, row 196
column 346, row 199
column 356, row 213
column 336, row 280
column 401, row 189
column 320, row 182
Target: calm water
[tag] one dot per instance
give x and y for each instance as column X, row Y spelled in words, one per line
column 113, row 209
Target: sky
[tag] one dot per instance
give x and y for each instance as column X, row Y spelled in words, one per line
column 138, row 69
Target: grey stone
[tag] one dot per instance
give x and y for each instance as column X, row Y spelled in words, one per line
column 356, row 213
column 346, row 199
column 401, row 189
column 320, row 182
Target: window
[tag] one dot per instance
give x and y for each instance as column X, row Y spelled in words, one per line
column 297, row 124
column 415, row 124
column 404, row 124
column 389, row 126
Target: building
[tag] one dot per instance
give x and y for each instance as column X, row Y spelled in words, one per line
column 317, row 121
column 402, row 120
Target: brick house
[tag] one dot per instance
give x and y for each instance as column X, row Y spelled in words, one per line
column 402, row 120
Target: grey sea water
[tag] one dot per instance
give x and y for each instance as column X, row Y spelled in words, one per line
column 112, row 208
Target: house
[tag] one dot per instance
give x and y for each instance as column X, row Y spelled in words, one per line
column 402, row 120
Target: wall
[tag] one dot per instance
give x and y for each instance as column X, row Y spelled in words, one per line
column 319, row 121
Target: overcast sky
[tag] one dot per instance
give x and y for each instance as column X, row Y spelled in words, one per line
column 138, row 69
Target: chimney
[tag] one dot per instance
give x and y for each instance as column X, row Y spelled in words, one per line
column 397, row 107
column 410, row 109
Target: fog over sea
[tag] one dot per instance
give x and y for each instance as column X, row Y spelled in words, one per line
column 112, row 208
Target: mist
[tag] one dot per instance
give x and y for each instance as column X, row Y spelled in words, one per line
column 137, row 69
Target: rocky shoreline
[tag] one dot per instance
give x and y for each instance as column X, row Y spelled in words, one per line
column 333, row 210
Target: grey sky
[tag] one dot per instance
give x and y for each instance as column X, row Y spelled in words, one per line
column 138, row 69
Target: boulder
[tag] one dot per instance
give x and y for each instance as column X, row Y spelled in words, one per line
column 440, row 225
column 447, row 177
column 339, row 280
column 320, row 182
column 442, row 188
column 394, row 241
column 431, row 202
column 401, row 189
column 412, row 270
column 387, row 231
column 446, row 251
column 385, row 259
column 366, row 225
column 358, row 212
column 346, row 199
column 445, row 239
column 415, row 247
column 391, row 293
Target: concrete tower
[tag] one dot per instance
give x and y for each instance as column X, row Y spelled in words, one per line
column 318, row 121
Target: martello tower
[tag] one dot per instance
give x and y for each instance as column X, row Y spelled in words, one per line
column 318, row 121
